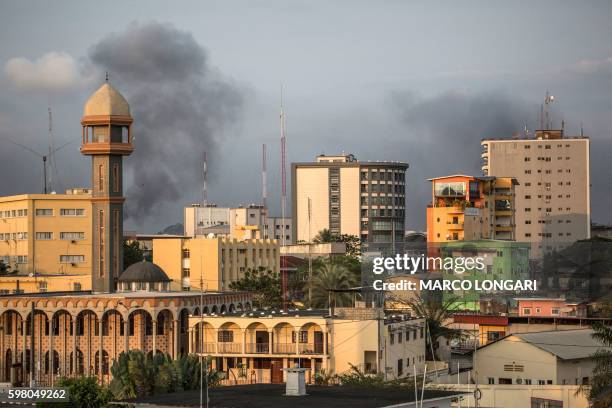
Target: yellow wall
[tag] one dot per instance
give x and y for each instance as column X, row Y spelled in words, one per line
column 219, row 261
column 43, row 255
column 44, row 283
column 311, row 183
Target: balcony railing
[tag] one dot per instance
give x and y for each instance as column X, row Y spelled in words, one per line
column 311, row 348
column 229, row 348
column 263, row 348
column 284, row 348
column 208, row 348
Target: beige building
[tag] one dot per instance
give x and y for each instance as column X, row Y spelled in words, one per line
column 219, row 260
column 553, row 205
column 243, row 222
column 255, row 347
column 561, row 357
column 348, row 196
column 45, row 235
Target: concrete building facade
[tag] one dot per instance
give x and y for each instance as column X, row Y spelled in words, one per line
column 219, row 261
column 553, row 205
column 348, row 196
column 466, row 208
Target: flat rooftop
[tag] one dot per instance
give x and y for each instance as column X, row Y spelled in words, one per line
column 271, row 396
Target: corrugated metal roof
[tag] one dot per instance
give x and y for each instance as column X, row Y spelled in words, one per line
column 565, row 344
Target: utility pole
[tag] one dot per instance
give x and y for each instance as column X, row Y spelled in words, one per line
column 283, row 166
column 32, row 348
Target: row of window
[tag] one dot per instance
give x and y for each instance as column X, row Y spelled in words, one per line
column 17, row 259
column 547, row 147
column 548, row 209
column 383, row 188
column 14, row 213
column 526, row 381
column 383, row 175
column 400, row 363
column 548, row 234
column 400, row 334
column 69, row 236
column 13, row 235
column 64, row 212
column 398, row 201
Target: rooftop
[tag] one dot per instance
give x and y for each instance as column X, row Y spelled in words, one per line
column 565, row 344
column 106, row 101
column 271, row 396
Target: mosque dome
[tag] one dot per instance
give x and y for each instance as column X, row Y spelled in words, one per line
column 143, row 275
column 144, row 271
column 106, row 101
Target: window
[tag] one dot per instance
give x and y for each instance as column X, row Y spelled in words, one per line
column 225, row 336
column 101, row 177
column 505, row 381
column 42, row 286
column 116, row 178
column 72, row 236
column 44, row 235
column 303, row 336
column 76, row 287
column 491, row 380
column 400, row 366
column 44, row 212
column 72, row 259
column 526, row 310
column 554, row 311
column 22, row 259
column 72, row 212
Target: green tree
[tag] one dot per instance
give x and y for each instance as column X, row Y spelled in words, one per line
column 601, row 382
column 264, row 285
column 138, row 374
column 131, row 253
column 437, row 313
column 330, row 278
column 352, row 242
column 83, row 392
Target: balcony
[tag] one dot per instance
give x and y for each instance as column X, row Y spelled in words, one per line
column 284, row 348
column 233, row 348
column 311, row 348
column 258, row 348
column 454, row 225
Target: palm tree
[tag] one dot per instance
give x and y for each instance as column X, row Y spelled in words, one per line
column 437, row 314
column 330, row 277
column 600, row 393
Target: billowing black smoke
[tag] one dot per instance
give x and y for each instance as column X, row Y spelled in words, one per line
column 179, row 104
column 444, row 134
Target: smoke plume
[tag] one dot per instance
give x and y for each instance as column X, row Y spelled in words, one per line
column 180, row 107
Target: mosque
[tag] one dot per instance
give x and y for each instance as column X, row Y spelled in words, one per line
column 45, row 336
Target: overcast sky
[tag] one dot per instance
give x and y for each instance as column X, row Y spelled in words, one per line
column 421, row 82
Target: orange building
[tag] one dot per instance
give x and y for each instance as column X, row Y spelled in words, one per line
column 467, row 208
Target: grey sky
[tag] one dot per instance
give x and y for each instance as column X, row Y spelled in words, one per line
column 416, row 81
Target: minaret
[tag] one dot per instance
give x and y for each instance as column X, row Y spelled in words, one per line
column 107, row 137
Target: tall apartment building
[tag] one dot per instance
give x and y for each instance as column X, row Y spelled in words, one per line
column 553, row 205
column 348, row 196
column 244, row 222
column 466, row 208
column 46, row 234
column 219, row 260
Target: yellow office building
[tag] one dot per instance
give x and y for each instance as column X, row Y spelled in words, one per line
column 218, row 260
column 45, row 238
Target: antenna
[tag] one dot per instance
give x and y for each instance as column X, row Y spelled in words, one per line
column 283, row 165
column 204, row 189
column 547, row 101
column 264, row 188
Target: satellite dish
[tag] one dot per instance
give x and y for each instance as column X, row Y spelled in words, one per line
column 210, row 235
